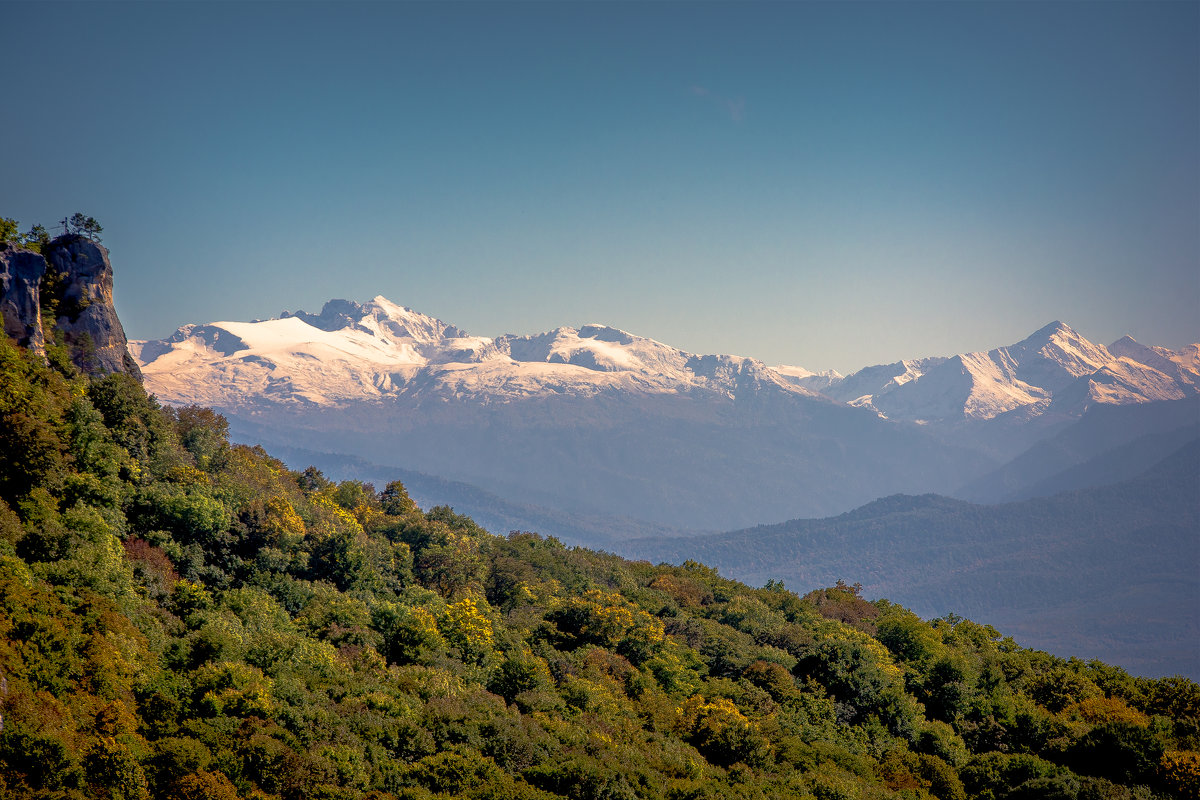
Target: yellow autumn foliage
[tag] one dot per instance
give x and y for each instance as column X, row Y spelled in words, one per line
column 467, row 627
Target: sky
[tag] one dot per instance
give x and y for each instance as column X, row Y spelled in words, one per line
column 829, row 185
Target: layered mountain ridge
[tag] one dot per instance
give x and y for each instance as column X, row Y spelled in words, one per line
column 376, row 350
column 1104, row 571
column 601, row 436
column 1054, row 369
column 584, row 420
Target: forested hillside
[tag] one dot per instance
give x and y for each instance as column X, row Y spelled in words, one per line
column 1107, row 572
column 183, row 618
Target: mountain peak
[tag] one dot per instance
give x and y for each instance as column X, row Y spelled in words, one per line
column 606, row 333
column 1058, row 341
column 335, row 315
column 1054, row 331
column 379, row 348
column 378, row 316
column 1054, row 355
column 1022, row 375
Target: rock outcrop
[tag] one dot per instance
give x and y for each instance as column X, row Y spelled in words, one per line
column 20, row 273
column 74, row 277
column 86, row 314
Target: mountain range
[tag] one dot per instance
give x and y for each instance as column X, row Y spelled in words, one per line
column 379, row 350
column 1107, row 571
column 596, row 421
column 602, row 437
column 184, row 617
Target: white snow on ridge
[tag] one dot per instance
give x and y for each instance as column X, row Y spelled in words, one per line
column 912, row 371
column 1188, row 357
column 1126, row 381
column 1183, row 366
column 795, row 372
column 378, row 350
column 806, row 379
column 1054, row 356
column 596, row 347
column 1027, row 375
column 995, row 388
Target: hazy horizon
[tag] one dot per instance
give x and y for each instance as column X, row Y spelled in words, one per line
column 823, row 185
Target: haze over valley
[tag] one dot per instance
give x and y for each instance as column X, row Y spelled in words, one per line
column 605, row 438
column 597, row 418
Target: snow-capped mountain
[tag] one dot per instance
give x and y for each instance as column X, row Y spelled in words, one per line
column 582, row 419
column 814, row 381
column 378, row 350
column 587, row 420
column 1183, row 366
column 1054, row 369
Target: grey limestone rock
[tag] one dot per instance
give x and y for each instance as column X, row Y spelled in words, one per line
column 20, row 304
column 87, row 317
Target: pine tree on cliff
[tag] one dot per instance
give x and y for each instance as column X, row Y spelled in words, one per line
column 79, row 225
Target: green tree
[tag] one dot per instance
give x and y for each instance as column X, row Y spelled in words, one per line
column 79, row 225
column 1121, row 751
column 410, row 633
column 115, row 773
column 36, row 238
column 395, row 500
column 204, row 434
column 135, row 420
column 339, row 557
column 722, row 733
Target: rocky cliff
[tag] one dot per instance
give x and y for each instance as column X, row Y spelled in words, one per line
column 86, row 314
column 74, row 279
column 21, row 272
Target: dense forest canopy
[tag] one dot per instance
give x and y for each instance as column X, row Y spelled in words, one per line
column 185, row 618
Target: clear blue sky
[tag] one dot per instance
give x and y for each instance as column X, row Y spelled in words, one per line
column 823, row 184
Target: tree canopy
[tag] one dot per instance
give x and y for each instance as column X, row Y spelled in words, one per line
column 38, row 237
column 183, row 617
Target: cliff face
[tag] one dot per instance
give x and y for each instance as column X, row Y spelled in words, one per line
column 20, row 273
column 86, row 315
column 79, row 283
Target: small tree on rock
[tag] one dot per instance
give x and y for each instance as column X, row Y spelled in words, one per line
column 8, row 230
column 35, row 238
column 79, row 225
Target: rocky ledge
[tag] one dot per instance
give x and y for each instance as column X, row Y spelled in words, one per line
column 75, row 276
